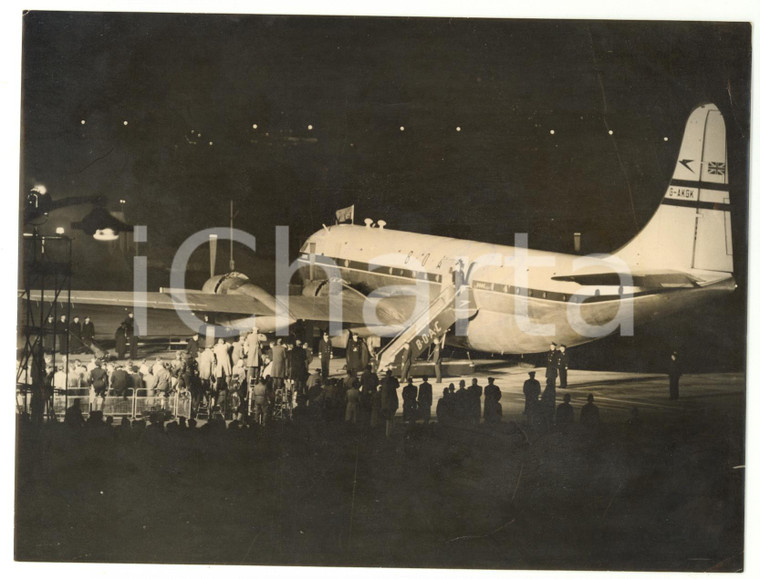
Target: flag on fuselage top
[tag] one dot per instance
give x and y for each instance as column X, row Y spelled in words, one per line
column 345, row 215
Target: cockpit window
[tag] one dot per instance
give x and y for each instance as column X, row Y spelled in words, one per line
column 308, row 247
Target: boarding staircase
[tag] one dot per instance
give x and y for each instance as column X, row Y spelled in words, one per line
column 451, row 304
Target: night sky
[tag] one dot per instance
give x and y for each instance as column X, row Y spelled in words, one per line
column 505, row 83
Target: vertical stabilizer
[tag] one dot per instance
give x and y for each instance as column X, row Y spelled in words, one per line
column 691, row 228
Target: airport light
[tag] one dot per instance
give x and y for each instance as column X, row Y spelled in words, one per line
column 106, row 234
column 101, row 224
column 37, row 204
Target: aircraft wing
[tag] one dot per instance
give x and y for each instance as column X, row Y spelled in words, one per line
column 194, row 301
column 389, row 311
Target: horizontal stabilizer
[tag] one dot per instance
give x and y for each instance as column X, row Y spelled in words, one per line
column 663, row 279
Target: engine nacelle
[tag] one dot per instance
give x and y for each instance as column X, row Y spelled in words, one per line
column 237, row 283
column 224, row 283
column 315, row 287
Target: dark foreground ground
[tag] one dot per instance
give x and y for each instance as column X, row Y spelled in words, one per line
column 661, row 495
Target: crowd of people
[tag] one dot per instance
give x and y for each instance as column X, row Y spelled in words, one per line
column 364, row 400
column 251, row 380
column 249, row 377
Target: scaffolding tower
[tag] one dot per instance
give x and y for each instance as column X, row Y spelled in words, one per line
column 46, row 295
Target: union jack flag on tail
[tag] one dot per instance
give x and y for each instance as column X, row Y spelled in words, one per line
column 716, row 168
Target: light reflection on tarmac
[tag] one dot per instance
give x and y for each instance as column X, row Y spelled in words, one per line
column 615, row 393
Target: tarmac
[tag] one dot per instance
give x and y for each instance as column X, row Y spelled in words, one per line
column 615, row 393
column 664, row 494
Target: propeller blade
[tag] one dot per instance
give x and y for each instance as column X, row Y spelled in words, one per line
column 212, row 238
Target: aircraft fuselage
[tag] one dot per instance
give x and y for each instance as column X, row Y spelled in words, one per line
column 520, row 308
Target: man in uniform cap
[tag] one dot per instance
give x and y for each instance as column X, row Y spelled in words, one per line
column 551, row 365
column 474, row 392
column 88, row 331
column 425, row 400
column 193, row 346
column 531, row 390
column 299, row 367
column 491, row 404
column 252, row 355
column 132, row 333
column 409, row 396
column 75, row 335
column 357, row 355
column 99, row 383
column 561, row 361
column 325, row 353
column 388, row 399
column 63, row 330
column 120, row 341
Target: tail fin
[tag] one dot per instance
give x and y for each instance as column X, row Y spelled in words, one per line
column 691, row 229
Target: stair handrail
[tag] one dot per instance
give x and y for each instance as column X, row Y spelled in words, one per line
column 397, row 342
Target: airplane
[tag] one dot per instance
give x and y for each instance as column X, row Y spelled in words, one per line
column 413, row 287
